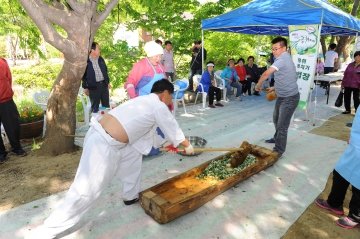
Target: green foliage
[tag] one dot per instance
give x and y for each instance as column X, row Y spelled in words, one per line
column 29, row 111
column 3, row 52
column 120, row 60
column 36, row 77
column 35, row 146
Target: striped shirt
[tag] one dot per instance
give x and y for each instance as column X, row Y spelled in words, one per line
column 98, row 74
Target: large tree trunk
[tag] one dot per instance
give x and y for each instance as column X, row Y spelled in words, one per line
column 61, row 110
column 80, row 20
column 344, row 41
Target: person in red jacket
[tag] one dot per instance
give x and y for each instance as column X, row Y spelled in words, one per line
column 351, row 84
column 9, row 115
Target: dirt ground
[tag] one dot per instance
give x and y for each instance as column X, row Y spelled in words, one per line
column 35, row 176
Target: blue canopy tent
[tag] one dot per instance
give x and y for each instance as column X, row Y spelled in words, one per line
column 272, row 17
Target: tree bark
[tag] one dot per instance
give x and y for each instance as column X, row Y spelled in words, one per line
column 344, row 41
column 80, row 22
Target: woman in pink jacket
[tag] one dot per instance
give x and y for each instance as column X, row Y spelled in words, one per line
column 351, row 83
column 144, row 74
column 146, row 71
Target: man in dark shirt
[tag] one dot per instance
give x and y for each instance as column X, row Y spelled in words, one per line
column 96, row 80
column 253, row 74
column 196, row 63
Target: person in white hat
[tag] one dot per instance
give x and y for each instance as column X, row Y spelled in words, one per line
column 144, row 74
column 146, row 71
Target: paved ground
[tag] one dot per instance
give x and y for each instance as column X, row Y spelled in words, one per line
column 264, row 206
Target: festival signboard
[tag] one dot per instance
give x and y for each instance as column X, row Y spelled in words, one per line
column 304, row 50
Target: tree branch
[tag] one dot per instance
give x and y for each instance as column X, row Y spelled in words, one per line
column 78, row 7
column 355, row 7
column 100, row 18
column 34, row 9
column 58, row 5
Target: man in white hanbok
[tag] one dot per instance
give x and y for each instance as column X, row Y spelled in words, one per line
column 115, row 145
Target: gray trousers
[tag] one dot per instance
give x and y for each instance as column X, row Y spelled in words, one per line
column 283, row 111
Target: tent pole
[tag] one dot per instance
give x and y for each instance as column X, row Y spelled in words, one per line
column 314, row 85
column 202, row 52
column 257, row 53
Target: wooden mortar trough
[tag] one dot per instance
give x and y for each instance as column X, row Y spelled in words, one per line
column 184, row 193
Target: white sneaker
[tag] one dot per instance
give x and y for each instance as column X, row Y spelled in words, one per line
column 227, row 100
column 238, row 98
column 243, row 94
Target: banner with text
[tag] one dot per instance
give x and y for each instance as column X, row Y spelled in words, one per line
column 304, row 44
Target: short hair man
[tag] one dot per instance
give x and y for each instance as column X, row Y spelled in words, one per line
column 286, row 89
column 168, row 61
column 96, row 82
column 331, row 56
column 158, row 41
column 115, row 145
column 196, row 62
column 9, row 115
column 253, row 74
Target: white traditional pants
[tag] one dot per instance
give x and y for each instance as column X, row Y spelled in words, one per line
column 102, row 158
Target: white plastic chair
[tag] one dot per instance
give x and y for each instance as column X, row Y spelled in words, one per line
column 180, row 88
column 86, row 105
column 3, row 135
column 220, row 83
column 197, row 79
column 41, row 98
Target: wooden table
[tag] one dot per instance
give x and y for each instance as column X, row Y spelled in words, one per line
column 329, row 78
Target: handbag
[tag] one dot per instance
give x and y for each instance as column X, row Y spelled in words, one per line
column 339, row 99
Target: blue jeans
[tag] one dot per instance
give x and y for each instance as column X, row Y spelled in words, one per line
column 236, row 85
column 283, row 111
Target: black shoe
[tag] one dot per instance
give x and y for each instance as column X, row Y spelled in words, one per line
column 256, row 93
column 346, row 112
column 131, row 201
column 3, row 158
column 20, row 152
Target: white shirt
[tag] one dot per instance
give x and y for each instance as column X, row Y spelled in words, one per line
column 168, row 61
column 141, row 116
column 330, row 57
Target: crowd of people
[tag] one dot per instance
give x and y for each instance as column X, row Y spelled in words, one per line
column 116, row 142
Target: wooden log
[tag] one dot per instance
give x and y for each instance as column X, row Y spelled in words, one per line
column 184, row 193
column 240, row 156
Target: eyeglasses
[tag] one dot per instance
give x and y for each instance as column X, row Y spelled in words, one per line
column 275, row 49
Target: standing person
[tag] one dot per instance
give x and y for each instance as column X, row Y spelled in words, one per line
column 253, row 74
column 158, row 41
column 351, row 84
column 196, row 63
column 168, row 61
column 146, row 71
column 231, row 80
column 331, row 57
column 96, row 82
column 9, row 115
column 144, row 74
column 115, row 145
column 241, row 72
column 287, row 92
column 208, row 82
column 346, row 172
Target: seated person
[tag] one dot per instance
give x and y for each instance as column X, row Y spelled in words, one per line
column 208, row 82
column 241, row 72
column 253, row 74
column 231, row 80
